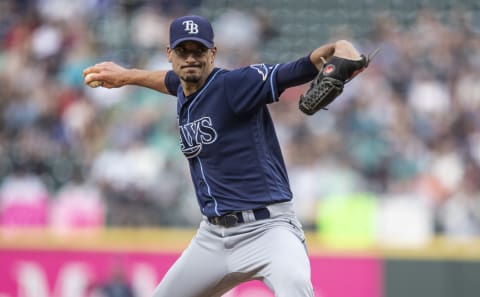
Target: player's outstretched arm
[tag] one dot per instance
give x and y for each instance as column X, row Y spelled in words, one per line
column 110, row 75
column 340, row 48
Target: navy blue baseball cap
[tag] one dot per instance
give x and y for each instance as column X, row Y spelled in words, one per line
column 194, row 28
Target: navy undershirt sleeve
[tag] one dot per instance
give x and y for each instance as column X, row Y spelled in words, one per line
column 172, row 82
column 295, row 73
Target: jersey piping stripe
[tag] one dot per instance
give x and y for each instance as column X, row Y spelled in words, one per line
column 269, row 161
column 272, row 85
column 198, row 158
column 208, row 186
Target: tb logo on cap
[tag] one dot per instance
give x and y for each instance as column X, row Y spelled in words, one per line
column 190, row 27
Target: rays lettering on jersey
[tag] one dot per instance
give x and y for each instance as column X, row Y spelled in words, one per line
column 195, row 134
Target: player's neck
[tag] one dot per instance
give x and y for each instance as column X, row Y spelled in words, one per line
column 190, row 88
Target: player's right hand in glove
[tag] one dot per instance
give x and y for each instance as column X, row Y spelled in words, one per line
column 342, row 67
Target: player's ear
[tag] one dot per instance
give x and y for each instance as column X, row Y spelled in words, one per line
column 169, row 54
column 214, row 53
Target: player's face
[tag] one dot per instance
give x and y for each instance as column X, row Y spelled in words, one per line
column 192, row 61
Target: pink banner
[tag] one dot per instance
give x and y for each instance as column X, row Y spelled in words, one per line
column 50, row 273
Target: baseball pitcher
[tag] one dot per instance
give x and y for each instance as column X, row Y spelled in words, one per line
column 249, row 229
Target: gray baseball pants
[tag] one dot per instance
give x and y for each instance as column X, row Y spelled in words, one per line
column 219, row 258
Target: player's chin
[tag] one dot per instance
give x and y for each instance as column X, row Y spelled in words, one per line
column 191, row 78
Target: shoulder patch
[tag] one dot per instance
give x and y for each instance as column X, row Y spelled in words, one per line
column 262, row 69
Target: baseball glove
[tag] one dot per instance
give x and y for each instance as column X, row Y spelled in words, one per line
column 330, row 81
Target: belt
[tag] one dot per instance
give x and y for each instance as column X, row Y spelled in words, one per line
column 233, row 218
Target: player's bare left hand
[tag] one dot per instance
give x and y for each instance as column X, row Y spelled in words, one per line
column 106, row 74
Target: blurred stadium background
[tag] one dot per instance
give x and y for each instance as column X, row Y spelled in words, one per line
column 393, row 165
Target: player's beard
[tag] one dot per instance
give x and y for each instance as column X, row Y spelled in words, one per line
column 190, row 78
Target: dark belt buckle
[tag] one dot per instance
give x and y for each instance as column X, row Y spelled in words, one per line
column 228, row 220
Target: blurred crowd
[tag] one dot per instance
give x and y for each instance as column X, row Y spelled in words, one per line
column 405, row 131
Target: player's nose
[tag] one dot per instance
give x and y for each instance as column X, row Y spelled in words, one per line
column 190, row 58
